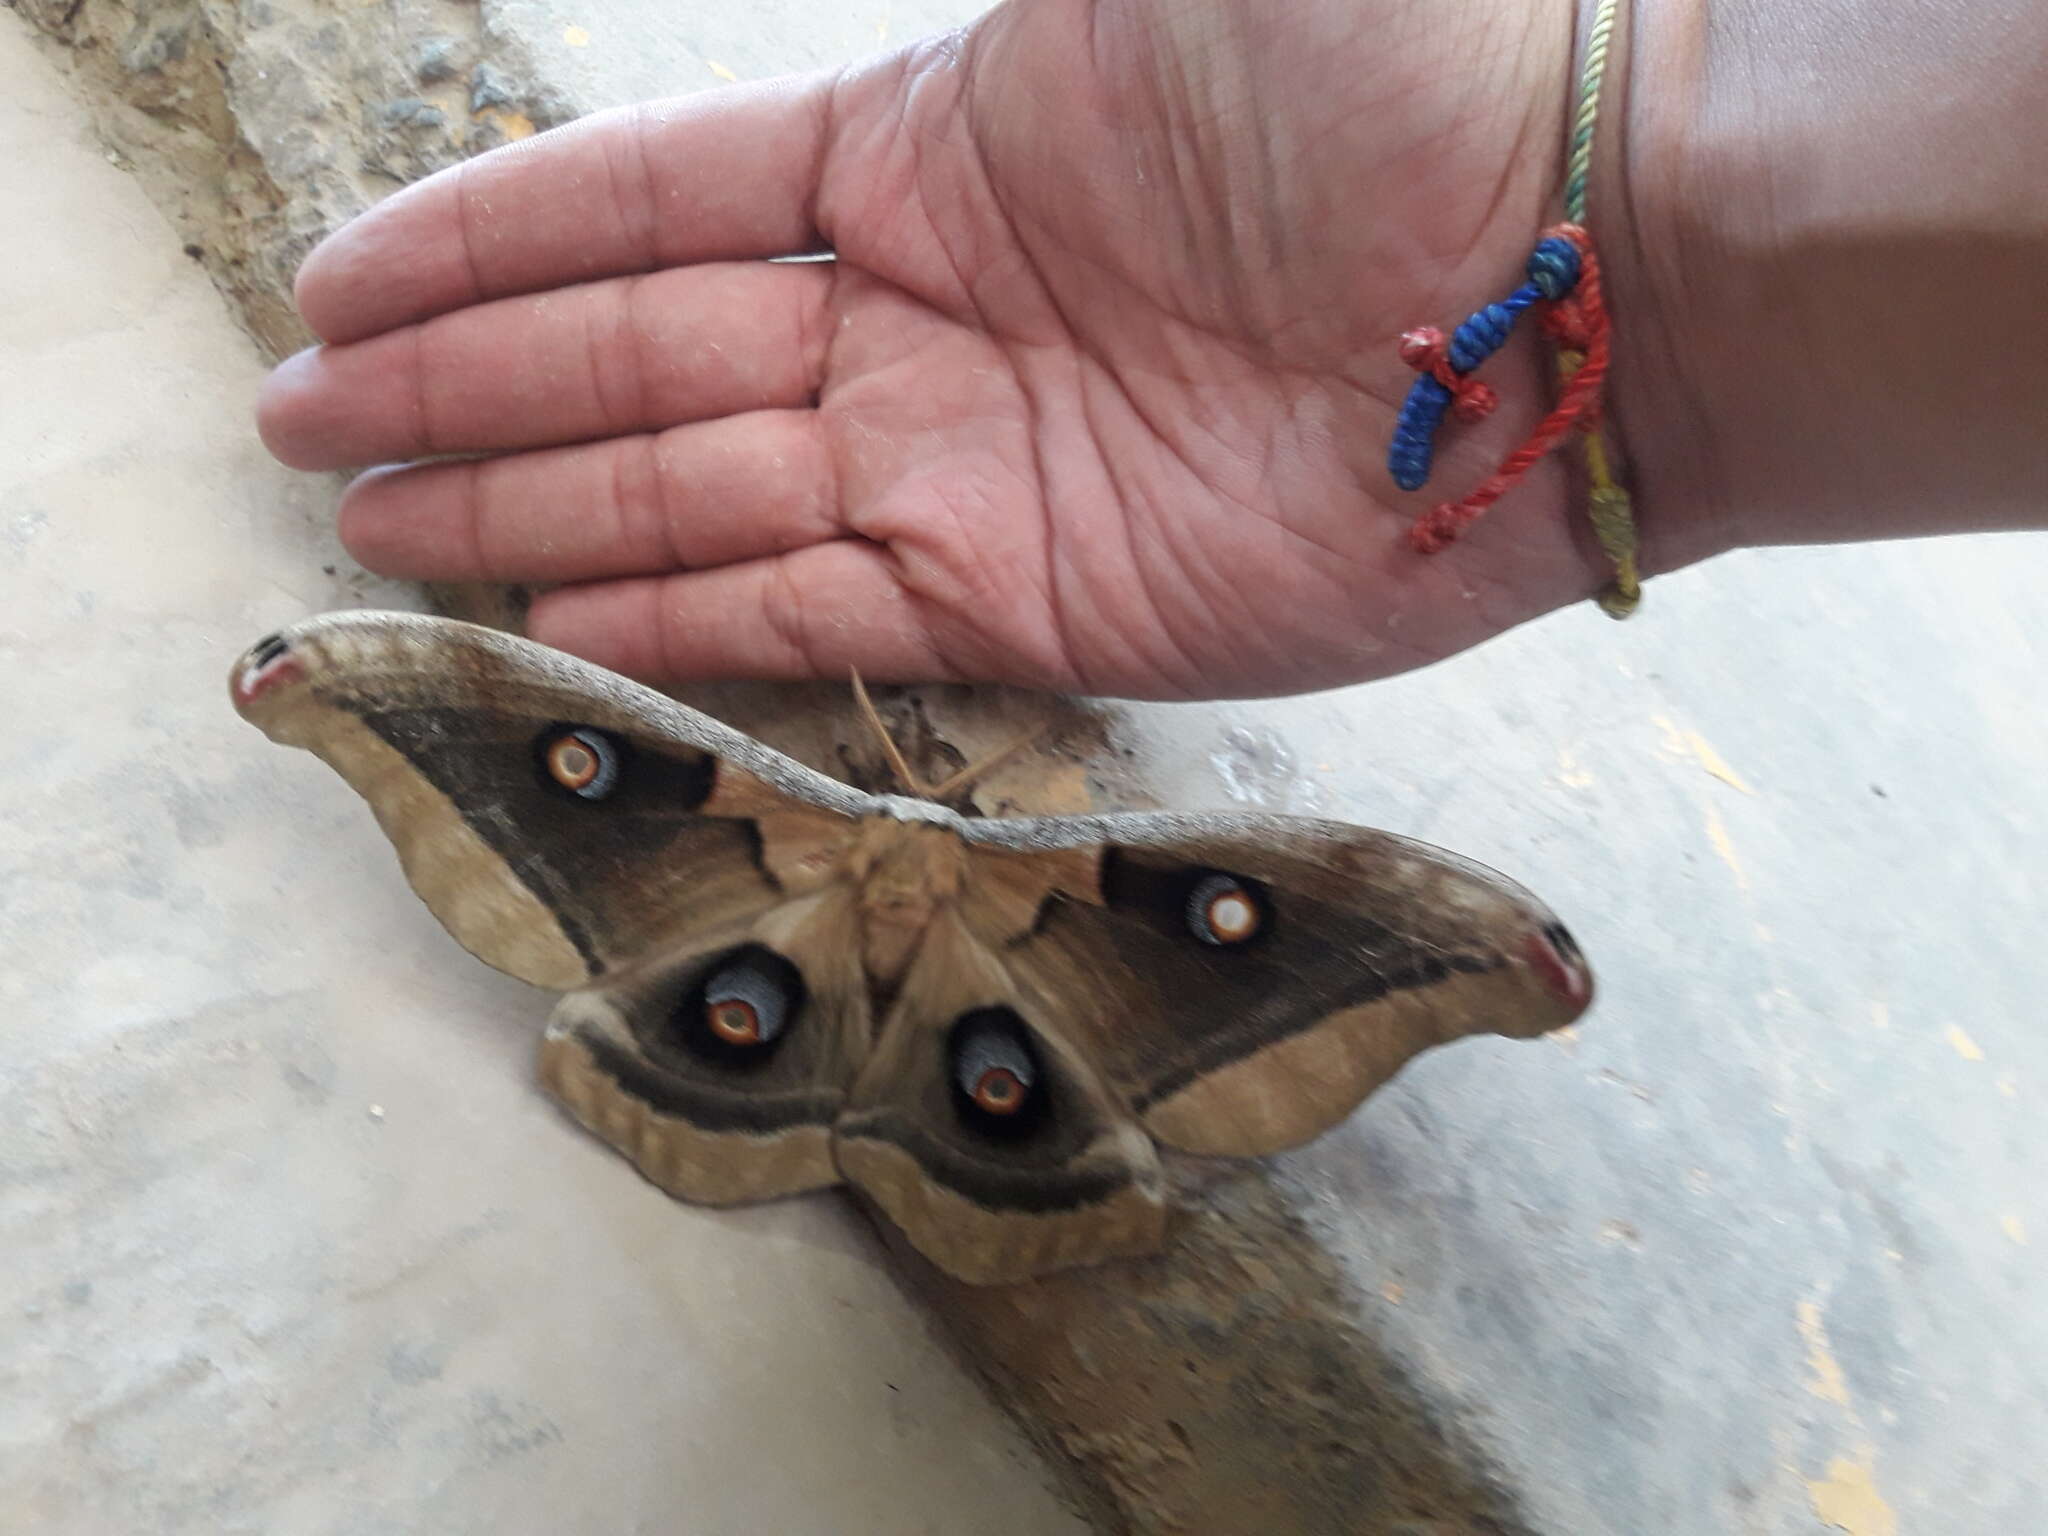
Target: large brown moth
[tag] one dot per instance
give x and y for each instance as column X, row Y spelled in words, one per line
column 988, row 1026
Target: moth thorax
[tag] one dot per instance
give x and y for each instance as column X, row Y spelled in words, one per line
column 908, row 869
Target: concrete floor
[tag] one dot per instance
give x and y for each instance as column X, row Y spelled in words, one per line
column 279, row 1256
column 1758, row 1248
column 1757, row 1251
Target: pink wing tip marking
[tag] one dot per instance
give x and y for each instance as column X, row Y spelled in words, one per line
column 269, row 665
column 1555, row 957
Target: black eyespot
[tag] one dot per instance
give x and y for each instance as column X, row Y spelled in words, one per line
column 742, row 1007
column 998, row 1081
column 1225, row 911
column 267, row 650
column 580, row 760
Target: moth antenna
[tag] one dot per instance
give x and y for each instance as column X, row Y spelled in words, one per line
column 966, row 776
column 910, row 783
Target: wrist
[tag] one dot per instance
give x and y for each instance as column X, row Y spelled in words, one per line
column 1823, row 245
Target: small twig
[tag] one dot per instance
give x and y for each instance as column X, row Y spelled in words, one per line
column 966, row 776
column 909, row 782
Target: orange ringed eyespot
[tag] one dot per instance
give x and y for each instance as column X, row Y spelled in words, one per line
column 574, row 764
column 734, row 1022
column 584, row 762
column 1223, row 910
column 747, row 1002
column 1232, row 917
column 996, row 1071
column 999, row 1092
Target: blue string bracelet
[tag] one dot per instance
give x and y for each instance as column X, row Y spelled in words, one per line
column 1444, row 385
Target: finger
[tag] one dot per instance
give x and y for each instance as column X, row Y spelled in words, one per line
column 812, row 614
column 598, row 360
column 725, row 175
column 707, row 494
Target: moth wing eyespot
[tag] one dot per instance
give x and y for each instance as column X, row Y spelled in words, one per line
column 745, row 1002
column 574, row 765
column 1223, row 910
column 997, row 1078
column 580, row 759
column 734, row 1021
column 998, row 1091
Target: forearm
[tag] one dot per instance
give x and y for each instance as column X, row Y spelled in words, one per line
column 1831, row 270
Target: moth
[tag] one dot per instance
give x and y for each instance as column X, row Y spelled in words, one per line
column 988, row 1026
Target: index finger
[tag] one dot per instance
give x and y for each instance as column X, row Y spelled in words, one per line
column 726, row 175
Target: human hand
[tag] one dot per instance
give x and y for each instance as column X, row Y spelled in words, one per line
column 1095, row 396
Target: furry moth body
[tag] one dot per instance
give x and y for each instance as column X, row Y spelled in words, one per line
column 777, row 983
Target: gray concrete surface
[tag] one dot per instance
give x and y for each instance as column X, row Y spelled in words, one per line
column 1759, row 1249
column 279, row 1257
column 1755, row 1251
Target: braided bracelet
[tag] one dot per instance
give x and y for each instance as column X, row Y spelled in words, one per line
column 1563, row 285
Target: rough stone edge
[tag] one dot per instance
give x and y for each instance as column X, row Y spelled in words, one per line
column 1222, row 1387
column 226, row 114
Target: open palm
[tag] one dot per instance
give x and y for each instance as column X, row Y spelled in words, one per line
column 1095, row 395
